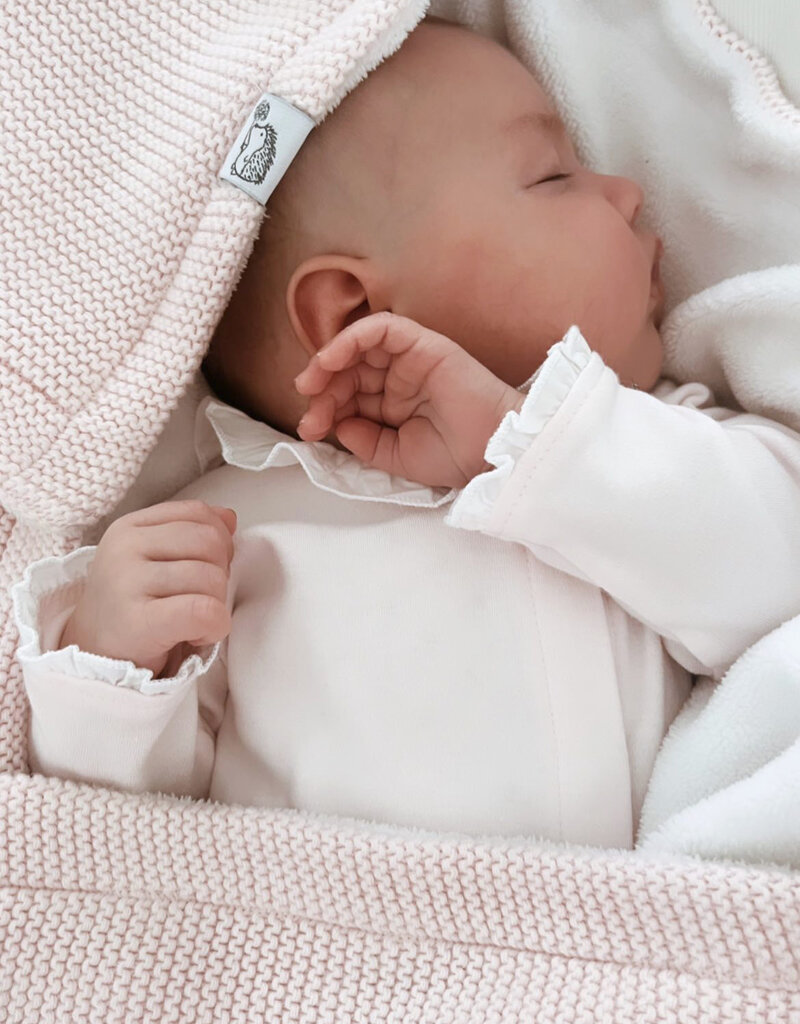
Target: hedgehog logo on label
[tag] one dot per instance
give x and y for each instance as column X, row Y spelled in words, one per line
column 255, row 163
column 257, row 152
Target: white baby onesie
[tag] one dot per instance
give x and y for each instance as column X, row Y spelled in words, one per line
column 496, row 669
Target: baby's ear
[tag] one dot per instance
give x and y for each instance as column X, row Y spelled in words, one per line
column 324, row 295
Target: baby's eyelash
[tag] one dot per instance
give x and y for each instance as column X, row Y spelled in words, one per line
column 553, row 177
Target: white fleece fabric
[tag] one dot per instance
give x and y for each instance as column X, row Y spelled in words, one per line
column 727, row 781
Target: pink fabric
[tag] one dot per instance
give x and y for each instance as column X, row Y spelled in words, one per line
column 120, row 249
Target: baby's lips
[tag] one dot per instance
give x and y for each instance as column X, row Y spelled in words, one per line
column 657, row 254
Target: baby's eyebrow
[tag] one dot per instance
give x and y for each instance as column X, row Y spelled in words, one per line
column 541, row 120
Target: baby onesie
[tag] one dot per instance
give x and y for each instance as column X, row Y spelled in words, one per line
column 504, row 660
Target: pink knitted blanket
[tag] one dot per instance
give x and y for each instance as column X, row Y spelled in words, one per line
column 120, row 248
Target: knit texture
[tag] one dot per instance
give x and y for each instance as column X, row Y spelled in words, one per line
column 119, row 251
column 157, row 909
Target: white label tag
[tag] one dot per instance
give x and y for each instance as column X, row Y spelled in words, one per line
column 266, row 145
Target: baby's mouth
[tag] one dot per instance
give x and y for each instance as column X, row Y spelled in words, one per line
column 655, row 272
column 655, row 305
column 656, row 284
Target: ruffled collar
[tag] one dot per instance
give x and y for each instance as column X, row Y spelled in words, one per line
column 255, row 446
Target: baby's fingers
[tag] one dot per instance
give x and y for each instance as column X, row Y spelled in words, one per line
column 373, row 340
column 365, row 374
column 187, row 576
column 349, row 393
column 357, row 380
column 324, row 412
column 394, row 334
column 370, row 366
column 313, row 379
column 318, row 419
column 185, row 510
column 374, row 444
column 195, row 618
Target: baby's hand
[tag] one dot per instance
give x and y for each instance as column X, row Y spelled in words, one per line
column 404, row 399
column 159, row 577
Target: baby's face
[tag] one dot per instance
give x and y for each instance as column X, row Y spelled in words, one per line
column 494, row 233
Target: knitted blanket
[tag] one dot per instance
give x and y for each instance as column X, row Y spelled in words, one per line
column 120, row 249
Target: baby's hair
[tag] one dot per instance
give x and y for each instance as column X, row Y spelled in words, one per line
column 230, row 364
column 255, row 323
column 316, row 207
column 250, row 328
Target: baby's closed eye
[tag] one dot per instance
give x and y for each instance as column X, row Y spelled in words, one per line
column 552, row 177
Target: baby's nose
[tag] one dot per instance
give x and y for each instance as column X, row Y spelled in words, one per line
column 625, row 195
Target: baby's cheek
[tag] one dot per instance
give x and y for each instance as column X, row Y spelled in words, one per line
column 463, row 274
column 625, row 298
column 447, row 284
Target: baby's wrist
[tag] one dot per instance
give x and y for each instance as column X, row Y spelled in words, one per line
column 74, row 633
column 69, row 635
column 511, row 401
column 517, row 401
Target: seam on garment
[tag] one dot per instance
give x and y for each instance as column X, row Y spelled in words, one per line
column 556, row 740
column 764, row 71
column 553, row 441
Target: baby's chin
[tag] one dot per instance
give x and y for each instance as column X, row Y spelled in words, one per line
column 640, row 366
column 648, row 359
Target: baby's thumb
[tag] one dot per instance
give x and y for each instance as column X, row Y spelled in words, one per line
column 227, row 515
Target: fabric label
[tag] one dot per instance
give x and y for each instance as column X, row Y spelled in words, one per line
column 266, row 145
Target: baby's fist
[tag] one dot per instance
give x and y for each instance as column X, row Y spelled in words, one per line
column 159, row 578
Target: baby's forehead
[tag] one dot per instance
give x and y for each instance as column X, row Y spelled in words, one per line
column 428, row 112
column 444, row 85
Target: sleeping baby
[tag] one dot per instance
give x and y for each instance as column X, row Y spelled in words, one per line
column 466, row 551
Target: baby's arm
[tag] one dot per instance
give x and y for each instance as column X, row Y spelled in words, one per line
column 689, row 519
column 691, row 522
column 116, row 695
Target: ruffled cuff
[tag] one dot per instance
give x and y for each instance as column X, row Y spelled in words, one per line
column 549, row 387
column 43, row 601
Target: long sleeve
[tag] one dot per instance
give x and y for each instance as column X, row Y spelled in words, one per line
column 689, row 518
column 97, row 719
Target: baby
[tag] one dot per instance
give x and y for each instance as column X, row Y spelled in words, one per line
column 456, row 599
